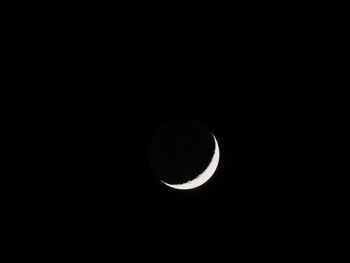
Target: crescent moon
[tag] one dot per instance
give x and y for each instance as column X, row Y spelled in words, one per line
column 204, row 176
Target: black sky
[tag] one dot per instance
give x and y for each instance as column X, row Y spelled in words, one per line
column 239, row 71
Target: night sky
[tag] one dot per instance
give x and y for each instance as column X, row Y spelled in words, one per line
column 239, row 72
column 300, row 3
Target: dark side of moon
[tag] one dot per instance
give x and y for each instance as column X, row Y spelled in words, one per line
column 180, row 151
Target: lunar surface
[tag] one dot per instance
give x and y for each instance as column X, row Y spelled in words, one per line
column 184, row 154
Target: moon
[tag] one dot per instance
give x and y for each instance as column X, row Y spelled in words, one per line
column 184, row 154
column 204, row 176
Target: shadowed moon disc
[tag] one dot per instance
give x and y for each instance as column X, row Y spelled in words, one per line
column 184, row 154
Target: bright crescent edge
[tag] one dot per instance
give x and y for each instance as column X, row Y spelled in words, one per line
column 202, row 177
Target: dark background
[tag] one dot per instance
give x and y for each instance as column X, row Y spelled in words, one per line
column 300, row 4
column 116, row 74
